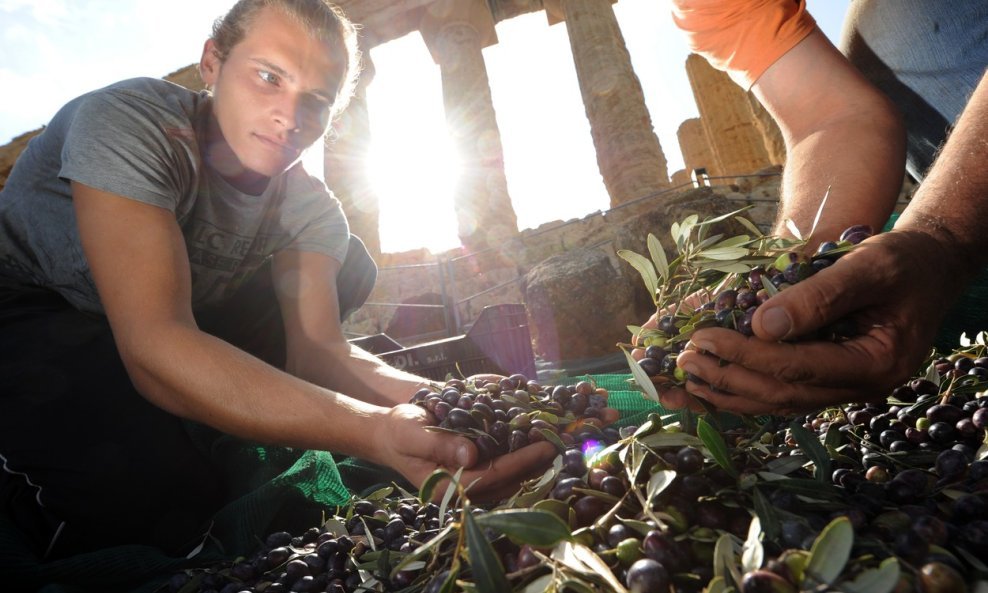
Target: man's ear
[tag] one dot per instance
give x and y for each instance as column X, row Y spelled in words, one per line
column 209, row 63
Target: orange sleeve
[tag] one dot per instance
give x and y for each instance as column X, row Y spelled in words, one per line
column 743, row 37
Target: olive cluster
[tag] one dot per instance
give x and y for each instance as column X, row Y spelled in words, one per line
column 324, row 560
column 314, row 561
column 909, row 452
column 508, row 414
column 659, row 545
column 734, row 307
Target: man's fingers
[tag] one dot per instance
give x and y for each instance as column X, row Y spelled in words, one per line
column 803, row 308
column 505, row 474
column 821, row 363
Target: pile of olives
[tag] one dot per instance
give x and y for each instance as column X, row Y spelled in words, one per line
column 734, row 307
column 508, row 414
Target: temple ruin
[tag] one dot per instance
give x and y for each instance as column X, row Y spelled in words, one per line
column 733, row 135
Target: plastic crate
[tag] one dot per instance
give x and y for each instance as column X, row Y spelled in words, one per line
column 376, row 344
column 498, row 342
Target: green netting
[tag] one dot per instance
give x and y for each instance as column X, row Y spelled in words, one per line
column 623, row 395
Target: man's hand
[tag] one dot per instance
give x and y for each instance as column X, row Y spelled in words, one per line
column 895, row 287
column 406, row 446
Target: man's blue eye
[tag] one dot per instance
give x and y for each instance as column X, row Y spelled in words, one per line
column 268, row 76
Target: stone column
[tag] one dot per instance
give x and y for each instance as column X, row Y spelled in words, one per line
column 695, row 147
column 455, row 32
column 345, row 163
column 775, row 145
column 629, row 156
column 727, row 119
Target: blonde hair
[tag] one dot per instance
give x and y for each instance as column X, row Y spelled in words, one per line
column 323, row 20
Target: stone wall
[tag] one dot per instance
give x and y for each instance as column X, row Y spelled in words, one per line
column 531, row 259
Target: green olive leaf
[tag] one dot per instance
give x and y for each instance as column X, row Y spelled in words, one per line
column 725, row 562
column 486, row 570
column 875, row 580
column 814, row 449
column 658, row 255
column 541, row 529
column 723, row 253
column 641, row 377
column 791, row 225
column 450, row 490
column 768, row 520
column 770, row 288
column 644, row 267
column 714, row 443
column 706, row 241
column 576, row 585
column 670, row 439
column 584, row 556
column 717, row 585
column 424, row 549
column 430, row 483
column 745, row 222
column 556, row 507
column 830, row 551
column 380, row 494
column 552, row 438
column 658, row 482
column 632, row 457
column 731, row 268
column 543, row 584
column 752, row 551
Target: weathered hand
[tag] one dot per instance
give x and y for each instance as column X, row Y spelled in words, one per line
column 416, row 453
column 895, row 287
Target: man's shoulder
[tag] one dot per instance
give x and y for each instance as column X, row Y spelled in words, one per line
column 150, row 88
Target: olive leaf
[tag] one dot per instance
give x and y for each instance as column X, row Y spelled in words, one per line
column 553, row 438
column 450, row 490
column 488, row 574
column 714, row 443
column 421, row 551
column 641, row 377
column 541, row 529
column 658, row 255
column 749, row 225
column 767, row 518
column 717, row 585
column 430, row 483
column 644, row 267
column 556, row 507
column 670, row 439
column 723, row 253
column 830, row 551
column 786, row 464
column 875, row 580
column 752, row 551
column 658, row 482
column 380, row 494
column 724, row 560
column 817, row 453
column 577, row 586
column 582, row 559
column 543, row 584
column 791, row 225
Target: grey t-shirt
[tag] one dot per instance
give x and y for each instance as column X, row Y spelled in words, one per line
column 143, row 139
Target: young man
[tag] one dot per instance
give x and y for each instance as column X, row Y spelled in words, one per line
column 845, row 133
column 146, row 215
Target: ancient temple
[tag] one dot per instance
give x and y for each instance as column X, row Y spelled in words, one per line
column 733, row 135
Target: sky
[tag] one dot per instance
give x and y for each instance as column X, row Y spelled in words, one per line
column 54, row 50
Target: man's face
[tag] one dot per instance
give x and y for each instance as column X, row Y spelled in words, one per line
column 272, row 95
